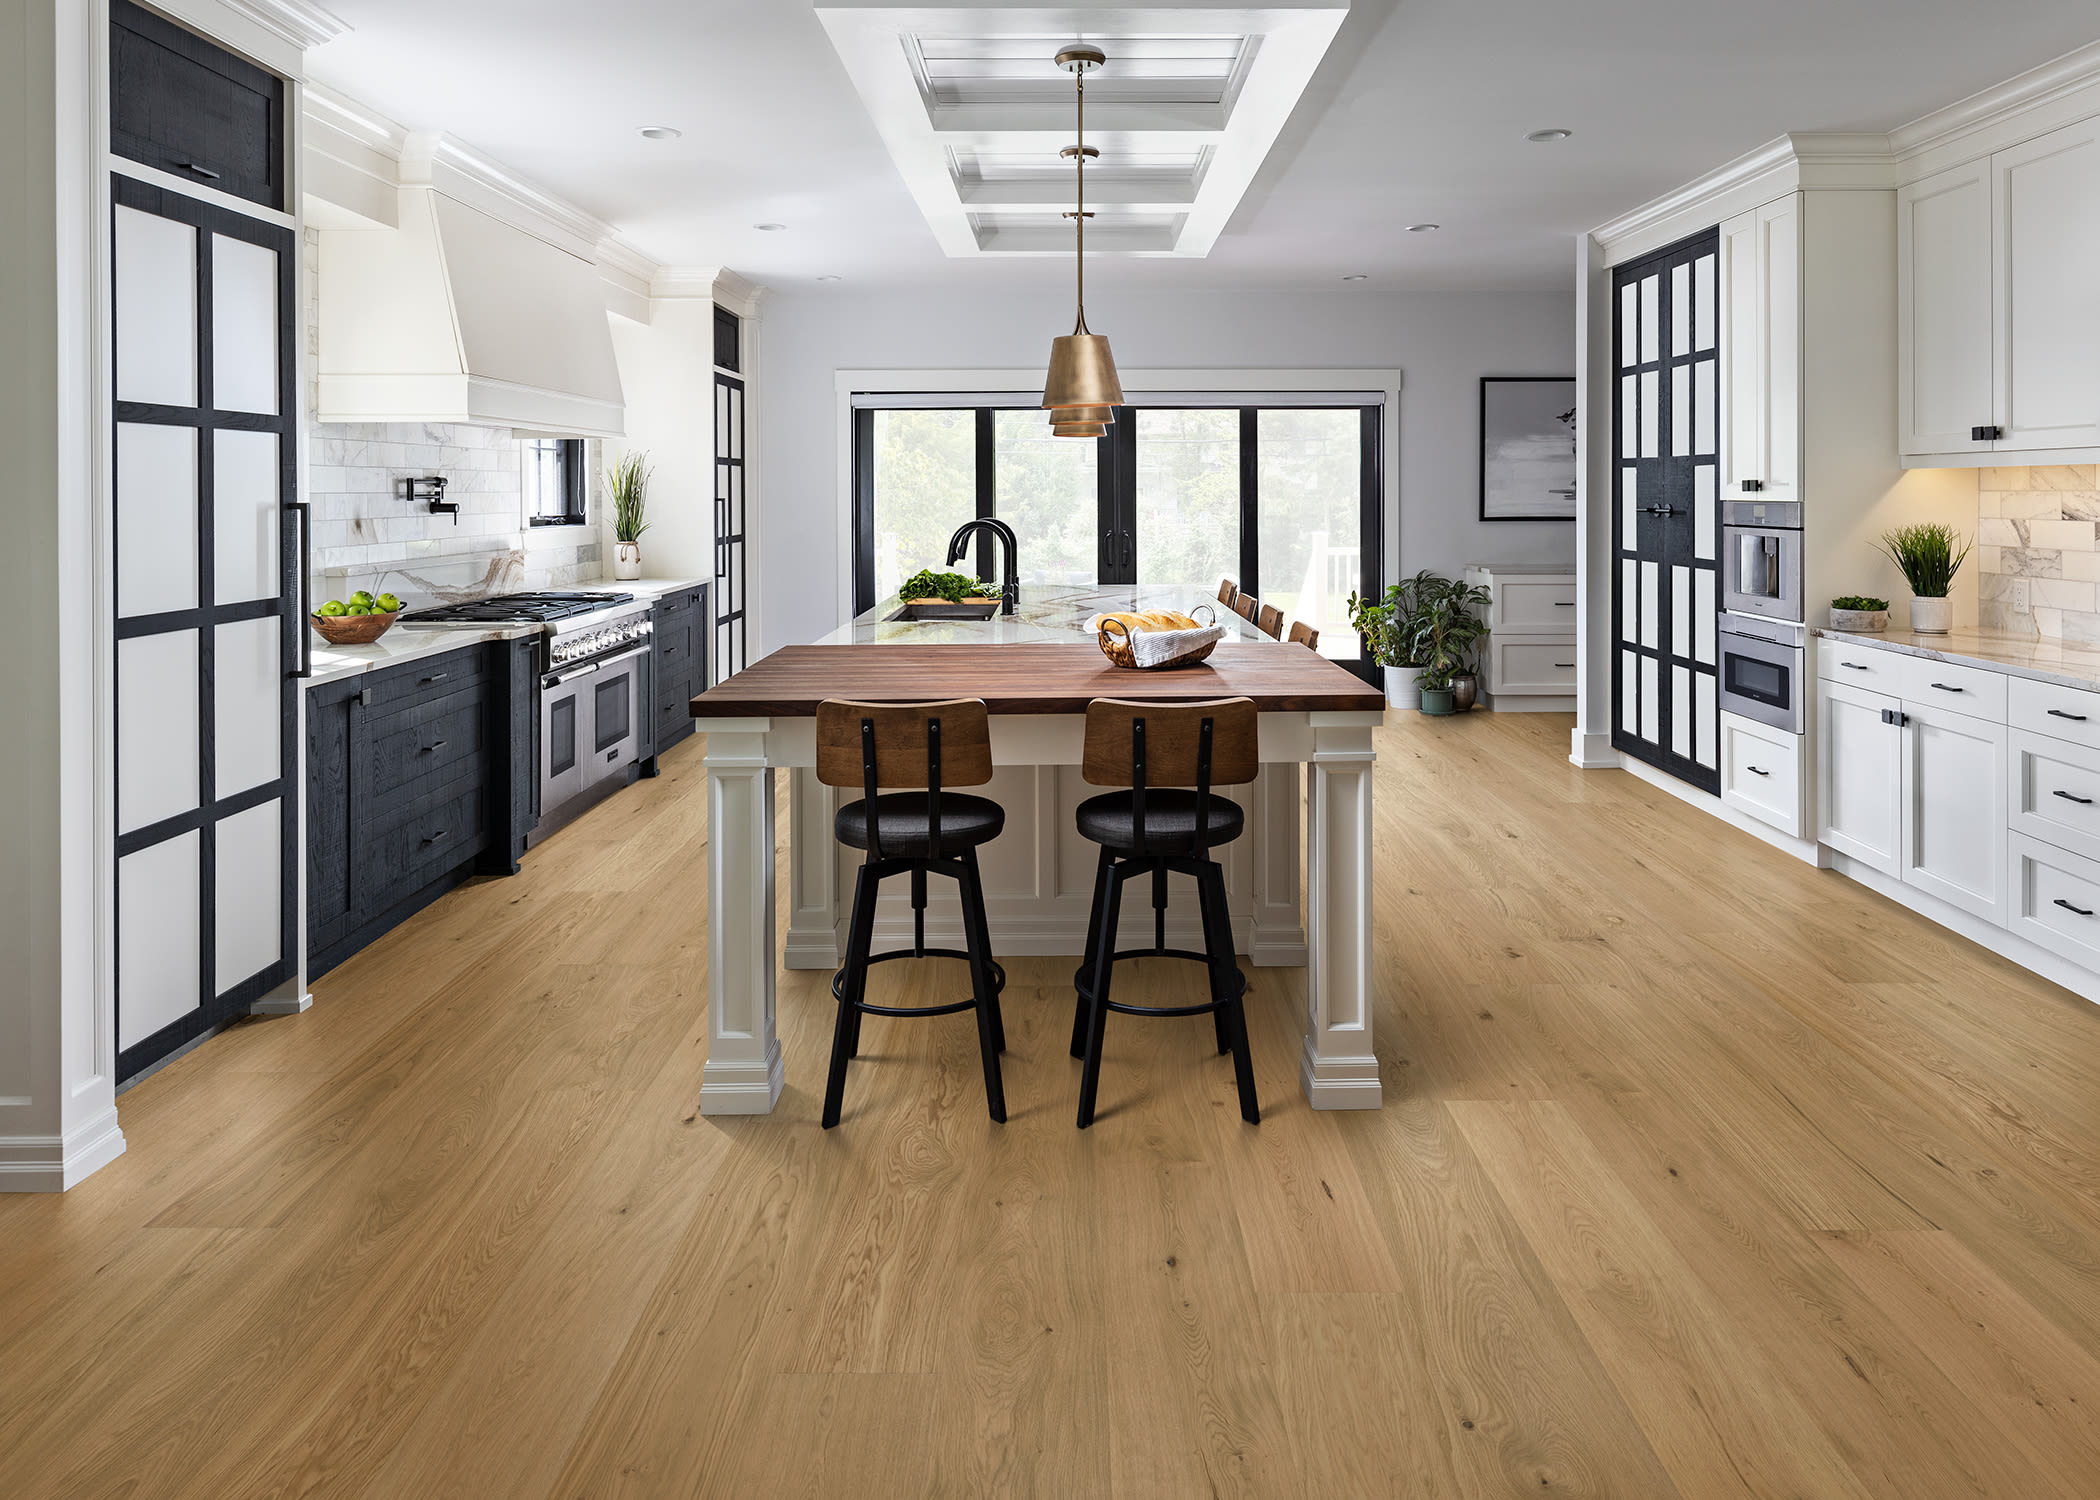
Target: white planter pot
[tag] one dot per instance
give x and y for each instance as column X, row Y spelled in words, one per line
column 627, row 560
column 1400, row 689
column 1931, row 616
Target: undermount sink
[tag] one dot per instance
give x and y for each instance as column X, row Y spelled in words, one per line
column 982, row 609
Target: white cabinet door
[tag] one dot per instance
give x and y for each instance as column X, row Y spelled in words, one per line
column 2045, row 207
column 1943, row 302
column 1954, row 808
column 1761, row 349
column 1859, row 776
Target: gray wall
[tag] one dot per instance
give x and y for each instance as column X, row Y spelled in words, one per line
column 1442, row 341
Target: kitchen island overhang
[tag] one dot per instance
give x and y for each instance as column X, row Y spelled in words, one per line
column 1311, row 712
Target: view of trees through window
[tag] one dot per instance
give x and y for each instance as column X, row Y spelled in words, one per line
column 1180, row 501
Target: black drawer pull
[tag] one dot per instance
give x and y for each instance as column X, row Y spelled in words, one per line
column 1757, row 771
column 1564, row 604
column 433, row 838
column 2068, row 797
column 2083, row 911
column 205, row 172
column 436, row 677
column 2057, row 713
column 1564, row 664
column 433, row 745
column 1943, row 687
column 1855, row 666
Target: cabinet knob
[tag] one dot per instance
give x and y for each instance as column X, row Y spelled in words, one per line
column 1986, row 434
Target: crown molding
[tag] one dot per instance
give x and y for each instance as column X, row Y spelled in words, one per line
column 691, row 283
column 2054, row 79
column 739, row 293
column 366, row 126
column 299, row 22
column 1773, row 156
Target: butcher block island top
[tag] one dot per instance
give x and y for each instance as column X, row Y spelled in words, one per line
column 1031, row 678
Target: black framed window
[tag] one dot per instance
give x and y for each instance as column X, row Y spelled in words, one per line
column 1283, row 498
column 553, row 477
column 729, row 340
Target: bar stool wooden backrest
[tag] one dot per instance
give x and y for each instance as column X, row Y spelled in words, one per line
column 905, row 746
column 1246, row 606
column 1227, row 592
column 1271, row 622
column 1200, row 745
column 1303, row 634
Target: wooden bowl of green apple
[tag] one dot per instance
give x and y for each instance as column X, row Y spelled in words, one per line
column 357, row 621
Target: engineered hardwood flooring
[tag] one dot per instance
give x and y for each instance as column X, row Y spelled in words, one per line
column 1702, row 1174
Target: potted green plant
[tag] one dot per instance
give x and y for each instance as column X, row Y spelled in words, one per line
column 1389, row 630
column 1446, row 631
column 629, row 481
column 1929, row 553
column 1859, row 612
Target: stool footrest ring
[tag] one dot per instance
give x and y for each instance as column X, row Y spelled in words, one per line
column 838, row 980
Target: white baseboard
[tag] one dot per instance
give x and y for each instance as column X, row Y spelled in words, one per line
column 1801, row 849
column 291, row 998
column 51, row 1163
column 1528, row 703
column 1591, row 752
column 742, row 1088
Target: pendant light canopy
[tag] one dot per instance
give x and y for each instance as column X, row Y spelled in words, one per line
column 1081, row 391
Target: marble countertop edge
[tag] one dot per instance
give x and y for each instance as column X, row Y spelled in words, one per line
column 2041, row 658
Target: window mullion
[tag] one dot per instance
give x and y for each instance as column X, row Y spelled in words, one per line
column 1250, row 501
column 987, row 486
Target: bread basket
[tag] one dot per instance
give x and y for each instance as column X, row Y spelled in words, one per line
column 1115, row 637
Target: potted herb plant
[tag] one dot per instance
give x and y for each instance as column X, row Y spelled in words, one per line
column 1389, row 630
column 629, row 480
column 1929, row 553
column 1859, row 612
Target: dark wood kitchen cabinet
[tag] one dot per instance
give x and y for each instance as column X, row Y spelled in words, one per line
column 418, row 778
column 182, row 105
column 680, row 631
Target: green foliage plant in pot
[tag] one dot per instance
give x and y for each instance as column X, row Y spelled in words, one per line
column 1929, row 553
column 1390, row 629
column 1447, row 631
column 629, row 481
column 1859, row 612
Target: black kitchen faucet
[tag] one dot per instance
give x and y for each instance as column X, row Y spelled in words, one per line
column 1010, row 580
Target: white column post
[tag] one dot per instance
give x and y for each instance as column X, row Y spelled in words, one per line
column 1338, row 1069
column 1595, row 526
column 813, row 938
column 1279, row 934
column 743, row 1073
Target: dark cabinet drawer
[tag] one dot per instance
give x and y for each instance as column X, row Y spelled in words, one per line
column 182, row 105
column 427, row 680
column 440, row 830
column 431, row 742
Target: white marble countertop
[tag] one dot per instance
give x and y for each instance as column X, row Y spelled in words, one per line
column 1044, row 612
column 2044, row 658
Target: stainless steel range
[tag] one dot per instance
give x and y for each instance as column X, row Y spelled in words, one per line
column 593, row 693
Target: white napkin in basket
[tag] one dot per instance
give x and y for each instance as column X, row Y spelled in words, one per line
column 1151, row 648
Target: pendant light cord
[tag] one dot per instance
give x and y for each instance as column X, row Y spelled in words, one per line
column 1079, row 218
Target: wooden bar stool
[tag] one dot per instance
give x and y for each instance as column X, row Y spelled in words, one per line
column 1157, row 826
column 1303, row 634
column 1227, row 592
column 925, row 830
column 1270, row 622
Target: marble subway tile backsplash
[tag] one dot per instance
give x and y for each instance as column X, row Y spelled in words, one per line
column 2042, row 525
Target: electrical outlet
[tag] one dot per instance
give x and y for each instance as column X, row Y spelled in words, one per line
column 2023, row 596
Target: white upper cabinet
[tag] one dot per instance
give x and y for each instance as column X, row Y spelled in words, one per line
column 2045, row 203
column 1943, row 292
column 1999, row 325
column 1761, row 344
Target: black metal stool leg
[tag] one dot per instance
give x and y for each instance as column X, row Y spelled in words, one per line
column 984, row 938
column 1086, row 964
column 1159, row 907
column 988, row 1040
column 1110, row 897
column 1228, row 986
column 845, row 1038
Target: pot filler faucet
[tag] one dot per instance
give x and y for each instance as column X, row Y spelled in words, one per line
column 1010, row 579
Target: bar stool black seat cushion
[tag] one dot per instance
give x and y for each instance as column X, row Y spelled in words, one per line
column 1170, row 820
column 966, row 822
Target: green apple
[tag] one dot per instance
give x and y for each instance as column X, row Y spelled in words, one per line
column 358, row 609
column 331, row 609
column 361, row 597
column 386, row 604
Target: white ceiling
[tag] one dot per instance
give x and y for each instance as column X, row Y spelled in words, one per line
column 1417, row 114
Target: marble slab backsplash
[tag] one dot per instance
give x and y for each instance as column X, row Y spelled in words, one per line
column 366, row 535
column 2041, row 524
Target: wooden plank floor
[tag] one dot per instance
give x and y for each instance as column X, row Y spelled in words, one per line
column 1702, row 1174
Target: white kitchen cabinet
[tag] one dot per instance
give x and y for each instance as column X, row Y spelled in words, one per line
column 1943, row 298
column 2053, row 793
column 1761, row 343
column 1953, row 815
column 1761, row 772
column 1528, row 660
column 2045, row 208
column 2054, row 899
column 1859, row 775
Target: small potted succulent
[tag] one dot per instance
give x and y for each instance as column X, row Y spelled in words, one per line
column 629, row 481
column 1930, row 553
column 1860, row 613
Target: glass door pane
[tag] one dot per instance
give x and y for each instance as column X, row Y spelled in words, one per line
column 1310, row 474
column 1047, row 488
column 925, row 487
column 1188, row 497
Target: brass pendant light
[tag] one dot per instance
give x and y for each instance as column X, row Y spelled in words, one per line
column 1081, row 391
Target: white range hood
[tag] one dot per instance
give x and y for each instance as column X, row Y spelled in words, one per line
column 456, row 316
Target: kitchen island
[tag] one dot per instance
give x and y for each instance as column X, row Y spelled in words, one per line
column 1036, row 670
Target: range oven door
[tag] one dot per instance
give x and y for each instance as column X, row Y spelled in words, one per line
column 590, row 720
column 1761, row 680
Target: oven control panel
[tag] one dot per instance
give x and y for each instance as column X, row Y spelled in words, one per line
column 599, row 640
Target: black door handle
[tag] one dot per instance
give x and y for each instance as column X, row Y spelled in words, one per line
column 1757, row 771
column 1855, row 666
column 2081, row 801
column 1988, row 435
column 1564, row 664
column 303, row 590
column 2083, row 911
column 1751, row 486
column 205, row 172
column 2057, row 713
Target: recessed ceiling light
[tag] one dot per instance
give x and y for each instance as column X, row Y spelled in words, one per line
column 1422, row 228
column 769, row 228
column 659, row 132
column 1555, row 134
column 1355, row 278
column 827, row 278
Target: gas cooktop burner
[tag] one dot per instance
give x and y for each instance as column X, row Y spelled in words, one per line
column 515, row 608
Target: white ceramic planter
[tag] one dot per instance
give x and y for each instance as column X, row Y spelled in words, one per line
column 1931, row 616
column 1400, row 689
column 627, row 560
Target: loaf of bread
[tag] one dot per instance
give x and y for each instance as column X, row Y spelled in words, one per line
column 1148, row 619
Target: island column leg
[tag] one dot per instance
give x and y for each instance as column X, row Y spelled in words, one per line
column 743, row 1073
column 1338, row 1068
